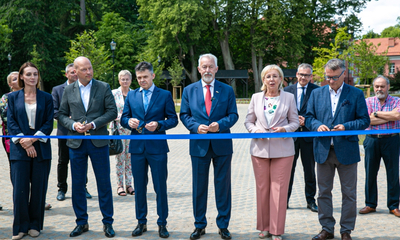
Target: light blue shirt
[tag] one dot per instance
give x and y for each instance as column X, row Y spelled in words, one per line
column 149, row 93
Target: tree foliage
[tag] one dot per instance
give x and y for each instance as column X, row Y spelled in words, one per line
column 371, row 34
column 86, row 45
column 175, row 70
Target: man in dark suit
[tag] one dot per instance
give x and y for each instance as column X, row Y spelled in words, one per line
column 87, row 106
column 336, row 107
column 209, row 106
column 302, row 91
column 149, row 110
column 63, row 151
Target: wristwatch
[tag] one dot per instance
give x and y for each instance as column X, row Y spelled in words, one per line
column 375, row 114
column 158, row 126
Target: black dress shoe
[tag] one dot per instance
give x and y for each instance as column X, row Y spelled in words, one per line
column 88, row 194
column 79, row 229
column 313, row 207
column 163, row 232
column 225, row 234
column 323, row 235
column 108, row 230
column 61, row 196
column 139, row 230
column 197, row 233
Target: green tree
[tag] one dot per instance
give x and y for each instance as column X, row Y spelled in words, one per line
column 393, row 31
column 395, row 80
column 371, row 34
column 175, row 70
column 86, row 45
column 337, row 50
column 176, row 29
column 4, row 34
column 364, row 60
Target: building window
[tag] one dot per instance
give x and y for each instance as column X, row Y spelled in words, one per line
column 391, row 68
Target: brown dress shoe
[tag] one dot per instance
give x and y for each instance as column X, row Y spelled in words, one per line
column 323, row 235
column 396, row 212
column 367, row 209
column 346, row 236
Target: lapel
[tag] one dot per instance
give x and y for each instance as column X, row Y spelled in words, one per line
column 93, row 90
column 260, row 109
column 216, row 96
column 138, row 99
column 153, row 99
column 327, row 95
column 20, row 101
column 307, row 96
column 77, row 94
column 40, row 102
column 278, row 111
column 343, row 96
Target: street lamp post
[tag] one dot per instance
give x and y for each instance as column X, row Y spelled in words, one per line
column 9, row 62
column 113, row 45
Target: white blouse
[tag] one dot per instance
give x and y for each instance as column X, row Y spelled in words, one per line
column 31, row 113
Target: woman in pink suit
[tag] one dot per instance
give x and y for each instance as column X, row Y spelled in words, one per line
column 274, row 111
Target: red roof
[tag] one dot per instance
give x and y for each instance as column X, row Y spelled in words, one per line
column 392, row 43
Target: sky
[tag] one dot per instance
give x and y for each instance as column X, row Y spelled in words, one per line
column 379, row 15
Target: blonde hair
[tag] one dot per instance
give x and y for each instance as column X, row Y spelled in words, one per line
column 123, row 73
column 267, row 69
column 9, row 77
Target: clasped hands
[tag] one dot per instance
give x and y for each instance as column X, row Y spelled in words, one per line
column 134, row 123
column 82, row 127
column 203, row 129
column 274, row 130
column 26, row 143
column 324, row 128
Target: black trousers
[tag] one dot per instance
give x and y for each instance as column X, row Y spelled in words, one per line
column 62, row 167
column 307, row 159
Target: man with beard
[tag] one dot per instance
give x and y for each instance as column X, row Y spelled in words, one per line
column 209, row 107
column 384, row 111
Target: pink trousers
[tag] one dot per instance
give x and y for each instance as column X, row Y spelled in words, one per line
column 272, row 182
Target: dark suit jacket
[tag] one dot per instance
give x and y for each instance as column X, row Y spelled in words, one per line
column 18, row 123
column 57, row 93
column 223, row 111
column 101, row 111
column 161, row 109
column 303, row 109
column 351, row 111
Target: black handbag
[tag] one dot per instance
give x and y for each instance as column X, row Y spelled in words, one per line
column 115, row 146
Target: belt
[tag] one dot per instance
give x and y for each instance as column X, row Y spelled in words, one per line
column 382, row 135
column 87, row 133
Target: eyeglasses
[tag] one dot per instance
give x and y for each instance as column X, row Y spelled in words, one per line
column 304, row 75
column 333, row 78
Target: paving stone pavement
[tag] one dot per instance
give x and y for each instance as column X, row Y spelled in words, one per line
column 301, row 223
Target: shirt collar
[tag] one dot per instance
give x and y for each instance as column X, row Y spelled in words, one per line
column 338, row 91
column 151, row 89
column 203, row 84
column 299, row 86
column 81, row 85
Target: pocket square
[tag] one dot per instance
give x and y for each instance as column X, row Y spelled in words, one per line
column 345, row 102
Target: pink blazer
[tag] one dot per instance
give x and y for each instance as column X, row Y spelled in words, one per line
column 285, row 116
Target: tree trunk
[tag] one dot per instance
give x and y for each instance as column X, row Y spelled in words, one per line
column 226, row 54
column 256, row 75
column 192, row 75
column 83, row 12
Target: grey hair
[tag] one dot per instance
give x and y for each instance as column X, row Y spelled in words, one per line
column 68, row 66
column 125, row 72
column 305, row 66
column 210, row 56
column 335, row 64
column 383, row 77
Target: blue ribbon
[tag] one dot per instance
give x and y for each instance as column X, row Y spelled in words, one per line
column 221, row 135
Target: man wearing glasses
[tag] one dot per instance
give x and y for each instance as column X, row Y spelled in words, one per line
column 336, row 107
column 302, row 91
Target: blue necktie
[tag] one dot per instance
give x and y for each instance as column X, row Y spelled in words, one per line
column 146, row 100
column 302, row 97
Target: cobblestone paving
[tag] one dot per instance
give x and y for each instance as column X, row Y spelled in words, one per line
column 301, row 223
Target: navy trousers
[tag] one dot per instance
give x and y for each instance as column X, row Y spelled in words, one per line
column 222, row 185
column 100, row 159
column 388, row 149
column 30, row 180
column 159, row 172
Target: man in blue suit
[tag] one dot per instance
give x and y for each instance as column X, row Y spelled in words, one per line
column 149, row 110
column 336, row 107
column 209, row 106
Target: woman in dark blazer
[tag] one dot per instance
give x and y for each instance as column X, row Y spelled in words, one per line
column 30, row 112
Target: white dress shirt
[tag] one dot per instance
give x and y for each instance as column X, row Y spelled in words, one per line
column 299, row 92
column 205, row 88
